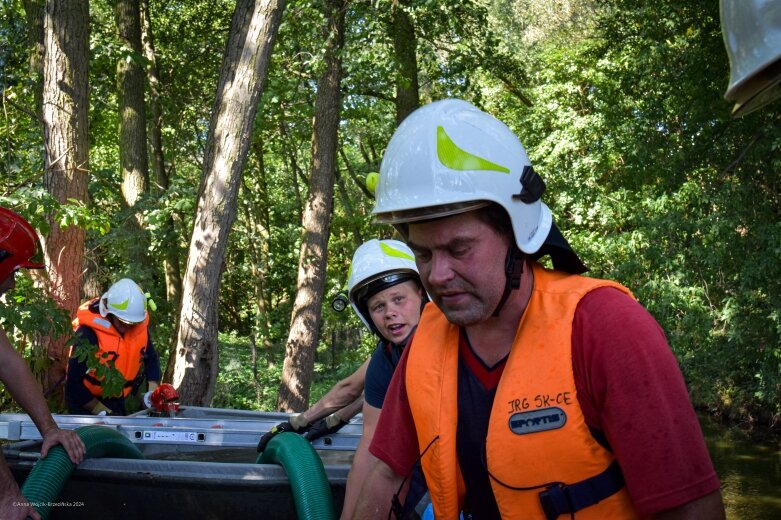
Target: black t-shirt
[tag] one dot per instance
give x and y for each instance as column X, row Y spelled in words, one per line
column 475, row 400
column 381, row 367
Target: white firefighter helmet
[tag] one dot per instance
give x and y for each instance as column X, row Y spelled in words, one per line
column 752, row 35
column 449, row 157
column 125, row 300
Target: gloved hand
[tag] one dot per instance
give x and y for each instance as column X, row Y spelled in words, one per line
column 147, row 400
column 296, row 424
column 101, row 409
column 326, row 426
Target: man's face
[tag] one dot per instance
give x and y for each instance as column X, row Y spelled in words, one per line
column 461, row 264
column 396, row 310
column 121, row 326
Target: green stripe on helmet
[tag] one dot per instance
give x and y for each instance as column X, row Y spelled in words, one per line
column 389, row 251
column 455, row 158
column 121, row 306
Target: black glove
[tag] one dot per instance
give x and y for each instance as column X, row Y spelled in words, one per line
column 279, row 428
column 325, row 426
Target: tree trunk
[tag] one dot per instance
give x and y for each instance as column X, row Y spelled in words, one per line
column 173, row 275
column 133, row 159
column 244, row 69
column 66, row 142
column 295, row 171
column 405, row 47
column 306, row 318
column 348, row 208
column 258, row 213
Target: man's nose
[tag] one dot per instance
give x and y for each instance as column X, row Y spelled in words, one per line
column 440, row 269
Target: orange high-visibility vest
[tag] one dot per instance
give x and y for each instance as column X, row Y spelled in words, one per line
column 126, row 351
column 537, row 434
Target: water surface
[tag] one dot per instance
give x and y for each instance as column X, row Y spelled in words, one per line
column 750, row 472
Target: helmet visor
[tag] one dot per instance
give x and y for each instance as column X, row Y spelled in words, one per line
column 428, row 212
column 361, row 294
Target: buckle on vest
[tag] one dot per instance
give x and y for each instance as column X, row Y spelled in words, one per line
column 555, row 501
column 559, row 499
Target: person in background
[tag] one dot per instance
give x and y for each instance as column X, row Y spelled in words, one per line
column 385, row 292
column 18, row 244
column 526, row 392
column 117, row 324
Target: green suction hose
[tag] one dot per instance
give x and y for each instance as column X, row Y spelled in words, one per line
column 311, row 491
column 49, row 475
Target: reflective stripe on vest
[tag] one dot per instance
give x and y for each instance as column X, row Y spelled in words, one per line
column 537, row 434
column 125, row 351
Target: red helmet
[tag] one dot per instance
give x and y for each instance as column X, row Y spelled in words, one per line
column 164, row 397
column 18, row 244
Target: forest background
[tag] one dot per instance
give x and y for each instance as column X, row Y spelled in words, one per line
column 619, row 104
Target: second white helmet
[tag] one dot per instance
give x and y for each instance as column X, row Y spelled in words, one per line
column 448, row 157
column 376, row 266
column 125, row 300
column 752, row 35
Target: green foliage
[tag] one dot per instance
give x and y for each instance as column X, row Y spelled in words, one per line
column 658, row 188
column 238, row 388
column 112, row 380
column 28, row 318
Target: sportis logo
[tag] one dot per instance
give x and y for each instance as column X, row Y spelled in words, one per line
column 535, row 421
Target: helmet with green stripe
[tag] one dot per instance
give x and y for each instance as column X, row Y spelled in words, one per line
column 125, row 300
column 378, row 265
column 449, row 157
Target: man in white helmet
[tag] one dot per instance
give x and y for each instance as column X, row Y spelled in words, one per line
column 117, row 324
column 525, row 392
column 385, row 292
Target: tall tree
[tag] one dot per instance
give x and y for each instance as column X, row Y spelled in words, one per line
column 173, row 275
column 307, row 316
column 250, row 42
column 66, row 142
column 405, row 50
column 133, row 159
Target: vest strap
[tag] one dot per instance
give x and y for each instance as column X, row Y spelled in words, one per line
column 560, row 499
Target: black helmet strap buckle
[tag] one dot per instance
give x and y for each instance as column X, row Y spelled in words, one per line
column 532, row 186
column 513, row 268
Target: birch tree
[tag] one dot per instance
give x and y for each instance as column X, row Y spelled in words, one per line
column 244, row 70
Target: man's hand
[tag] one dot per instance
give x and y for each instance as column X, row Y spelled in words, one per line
column 69, row 440
column 326, row 426
column 296, row 424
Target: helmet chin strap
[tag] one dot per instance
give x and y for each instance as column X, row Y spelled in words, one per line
column 513, row 268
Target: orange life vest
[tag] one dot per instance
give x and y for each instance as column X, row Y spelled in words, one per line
column 126, row 351
column 537, row 434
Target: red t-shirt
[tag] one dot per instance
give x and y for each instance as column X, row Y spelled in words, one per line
column 629, row 386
